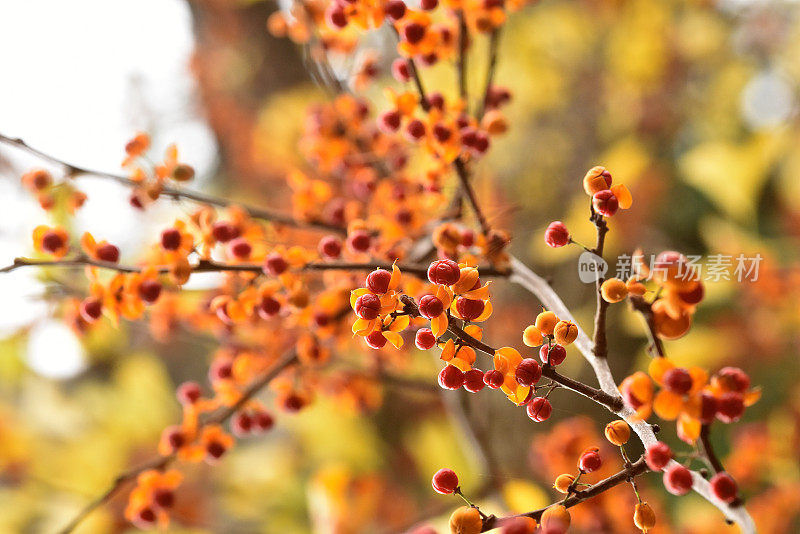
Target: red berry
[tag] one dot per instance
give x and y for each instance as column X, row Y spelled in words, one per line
column 678, row 380
column 442, row 133
column 330, row 247
column 220, row 370
column 473, row 380
column 539, row 409
column 321, row 319
column 724, row 487
column 414, row 32
column 469, row 309
column 425, row 339
column 556, row 234
column 658, row 455
column 378, row 281
column 91, row 309
column 694, row 296
column 214, row 450
column 467, row 238
column 733, row 379
column 708, row 408
column 241, row 424
column 678, row 480
column 428, row 5
column 481, row 142
column 446, row 272
column 150, row 290
column 224, row 231
column 52, row 241
column 605, row 203
column 368, row 306
column 528, row 372
column 400, row 69
column 445, row 481
column 389, row 121
column 376, row 340
column 516, row 525
column 590, row 460
column 240, row 248
column 430, row 306
column 188, row 393
column 436, row 100
column 335, row 16
column 451, row 377
column 275, row 264
column 146, row 516
column 174, row 437
column 359, row 241
column 395, row 9
column 553, row 354
column 730, row 407
column 108, row 252
column 171, row 239
column 493, row 378
column 263, row 421
column 415, row 129
column 164, row 498
column 268, row 308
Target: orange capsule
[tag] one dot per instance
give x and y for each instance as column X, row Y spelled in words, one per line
column 643, row 517
column 546, row 322
column 563, row 482
column 597, row 179
column 531, row 336
column 565, row 332
column 618, row 432
column 555, row 519
column 614, row 290
column 466, row 520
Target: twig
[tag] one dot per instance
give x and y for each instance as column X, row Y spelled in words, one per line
column 494, row 45
column 162, row 462
column 655, row 346
column 257, row 213
column 532, row 282
column 463, row 37
column 599, row 338
column 633, row 470
column 466, row 186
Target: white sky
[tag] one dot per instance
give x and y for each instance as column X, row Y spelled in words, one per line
column 77, row 79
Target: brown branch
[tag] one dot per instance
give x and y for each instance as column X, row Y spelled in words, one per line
column 463, row 38
column 635, row 469
column 655, row 346
column 708, row 451
column 162, row 462
column 600, row 342
column 614, row 404
column 176, row 193
column 494, row 45
column 211, row 266
column 463, row 176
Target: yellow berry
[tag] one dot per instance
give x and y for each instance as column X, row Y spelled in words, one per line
column 531, row 336
column 563, row 482
column 614, row 290
column 546, row 322
column 644, row 517
column 466, row 520
column 618, row 432
column 565, row 332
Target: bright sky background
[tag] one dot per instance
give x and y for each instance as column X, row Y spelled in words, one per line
column 80, row 77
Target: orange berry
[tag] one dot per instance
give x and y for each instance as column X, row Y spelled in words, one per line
column 565, row 332
column 182, row 173
column 596, row 179
column 563, row 482
column 643, row 517
column 546, row 322
column 668, row 327
column 466, row 520
column 614, row 290
column 555, row 519
column 531, row 336
column 618, row 432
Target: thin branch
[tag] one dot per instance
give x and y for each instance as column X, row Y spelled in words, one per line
column 463, row 38
column 164, row 461
column 655, row 346
column 494, row 45
column 211, row 266
column 600, row 340
column 534, row 283
column 611, row 402
column 176, row 193
column 633, row 470
column 708, row 451
column 466, row 186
